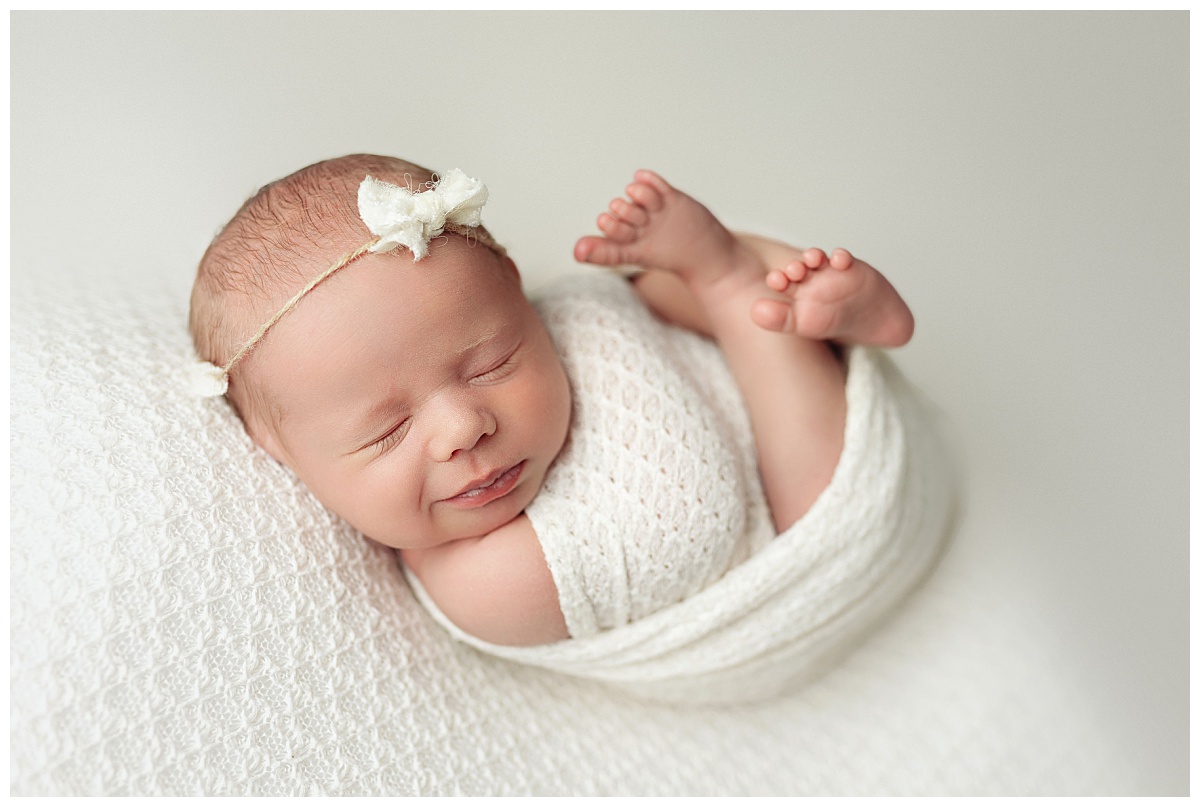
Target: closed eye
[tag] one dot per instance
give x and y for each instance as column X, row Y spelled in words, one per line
column 394, row 436
column 499, row 371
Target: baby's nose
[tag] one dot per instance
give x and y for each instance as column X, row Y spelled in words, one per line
column 462, row 425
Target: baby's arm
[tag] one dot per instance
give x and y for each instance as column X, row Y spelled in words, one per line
column 496, row 587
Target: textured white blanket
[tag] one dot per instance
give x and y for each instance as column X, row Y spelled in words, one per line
column 658, row 535
column 186, row 619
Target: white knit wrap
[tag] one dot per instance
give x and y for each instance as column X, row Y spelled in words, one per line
column 657, row 533
column 655, row 495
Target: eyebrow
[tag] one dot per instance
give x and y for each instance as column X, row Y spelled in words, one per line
column 490, row 336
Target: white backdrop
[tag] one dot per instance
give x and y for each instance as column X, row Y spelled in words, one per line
column 1022, row 179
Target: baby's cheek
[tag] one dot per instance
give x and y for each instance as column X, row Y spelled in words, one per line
column 562, row 403
column 547, row 405
column 385, row 506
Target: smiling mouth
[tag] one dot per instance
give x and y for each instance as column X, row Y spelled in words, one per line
column 489, row 489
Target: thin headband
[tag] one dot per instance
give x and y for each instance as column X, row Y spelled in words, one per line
column 398, row 218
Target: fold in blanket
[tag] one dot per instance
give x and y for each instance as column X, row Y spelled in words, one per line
column 701, row 603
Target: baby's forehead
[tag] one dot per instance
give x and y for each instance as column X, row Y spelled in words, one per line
column 360, row 354
column 459, row 293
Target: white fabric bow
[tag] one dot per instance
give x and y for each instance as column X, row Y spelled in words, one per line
column 403, row 218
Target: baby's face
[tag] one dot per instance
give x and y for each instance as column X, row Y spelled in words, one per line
column 422, row 402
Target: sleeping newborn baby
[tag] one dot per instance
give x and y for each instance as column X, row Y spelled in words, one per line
column 374, row 337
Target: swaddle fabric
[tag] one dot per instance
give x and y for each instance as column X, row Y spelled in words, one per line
column 655, row 495
column 659, row 538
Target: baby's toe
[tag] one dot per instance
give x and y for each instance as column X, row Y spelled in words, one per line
column 653, row 180
column 778, row 280
column 645, row 195
column 841, row 259
column 814, row 258
column 591, row 249
column 773, row 315
column 616, row 229
column 628, row 212
column 795, row 271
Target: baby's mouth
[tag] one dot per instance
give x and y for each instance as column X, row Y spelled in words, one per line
column 488, row 489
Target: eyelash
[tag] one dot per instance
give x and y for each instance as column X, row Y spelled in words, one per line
column 499, row 371
column 391, row 438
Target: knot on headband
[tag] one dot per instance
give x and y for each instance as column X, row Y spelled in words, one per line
column 207, row 380
column 403, row 218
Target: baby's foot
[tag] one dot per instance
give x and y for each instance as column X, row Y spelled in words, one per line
column 837, row 298
column 661, row 227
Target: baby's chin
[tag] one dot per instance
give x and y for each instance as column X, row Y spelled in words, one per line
column 500, row 512
column 473, row 524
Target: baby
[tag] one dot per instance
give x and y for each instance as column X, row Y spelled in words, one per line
column 409, row 383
